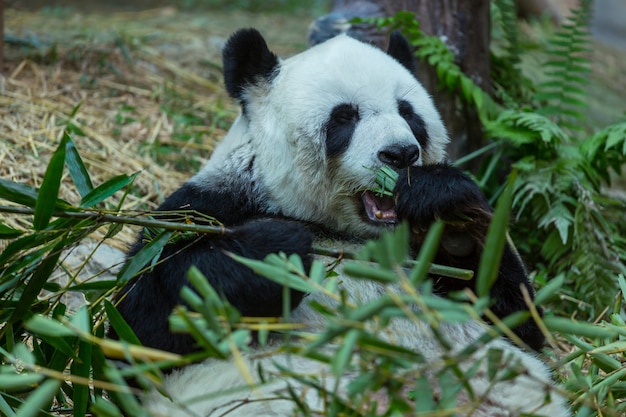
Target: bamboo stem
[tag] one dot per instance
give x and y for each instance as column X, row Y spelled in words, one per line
column 443, row 270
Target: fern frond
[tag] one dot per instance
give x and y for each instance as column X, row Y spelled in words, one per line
column 510, row 85
column 524, row 127
column 606, row 150
column 562, row 96
column 597, row 257
column 504, row 22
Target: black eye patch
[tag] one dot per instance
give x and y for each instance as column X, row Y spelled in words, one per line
column 415, row 122
column 340, row 128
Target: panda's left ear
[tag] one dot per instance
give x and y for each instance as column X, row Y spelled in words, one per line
column 247, row 60
column 400, row 49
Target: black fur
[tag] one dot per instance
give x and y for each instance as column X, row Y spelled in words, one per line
column 340, row 128
column 146, row 301
column 247, row 60
column 400, row 49
column 415, row 122
column 427, row 193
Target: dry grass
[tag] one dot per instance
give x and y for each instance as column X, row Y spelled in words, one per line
column 149, row 89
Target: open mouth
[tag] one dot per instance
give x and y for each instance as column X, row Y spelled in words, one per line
column 379, row 208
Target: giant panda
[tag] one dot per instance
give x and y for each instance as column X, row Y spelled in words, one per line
column 294, row 170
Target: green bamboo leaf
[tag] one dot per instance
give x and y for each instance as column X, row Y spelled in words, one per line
column 611, row 348
column 39, row 399
column 46, row 326
column 7, row 232
column 93, row 286
column 117, row 322
column 278, row 273
column 24, row 354
column 495, row 241
column 342, row 357
column 19, row 381
column 81, row 320
column 427, row 253
column 77, row 169
column 317, row 273
column 75, row 129
column 368, row 271
column 49, row 190
column 36, row 283
column 5, row 408
column 425, row 402
column 74, row 111
column 18, row 193
column 549, row 291
column 143, row 257
column 124, row 398
column 81, row 365
column 622, row 286
column 104, row 408
column 107, row 189
column 578, row 328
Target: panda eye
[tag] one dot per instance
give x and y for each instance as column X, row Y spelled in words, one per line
column 415, row 122
column 345, row 114
column 405, row 109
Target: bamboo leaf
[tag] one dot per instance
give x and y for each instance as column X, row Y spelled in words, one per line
column 37, row 281
column 77, row 169
column 368, row 271
column 278, row 273
column 18, row 193
column 578, row 328
column 81, row 365
column 342, row 357
column 39, row 399
column 7, row 232
column 46, row 326
column 107, row 189
column 117, row 322
column 19, row 381
column 549, row 291
column 49, row 190
column 143, row 257
column 427, row 253
column 496, row 239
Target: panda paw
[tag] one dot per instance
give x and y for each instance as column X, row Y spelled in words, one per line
column 440, row 192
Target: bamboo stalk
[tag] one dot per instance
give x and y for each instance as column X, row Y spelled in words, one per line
column 443, row 270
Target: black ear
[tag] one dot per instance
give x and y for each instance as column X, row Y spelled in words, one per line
column 247, row 60
column 400, row 49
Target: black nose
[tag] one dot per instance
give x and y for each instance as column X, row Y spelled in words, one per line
column 399, row 156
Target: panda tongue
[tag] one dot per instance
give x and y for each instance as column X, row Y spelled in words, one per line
column 379, row 208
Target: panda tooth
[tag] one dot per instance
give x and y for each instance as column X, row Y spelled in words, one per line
column 378, row 214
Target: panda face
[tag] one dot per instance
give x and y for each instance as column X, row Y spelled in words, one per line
column 320, row 124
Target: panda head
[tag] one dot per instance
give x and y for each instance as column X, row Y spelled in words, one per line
column 318, row 125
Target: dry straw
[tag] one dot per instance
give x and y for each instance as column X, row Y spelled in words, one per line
column 155, row 106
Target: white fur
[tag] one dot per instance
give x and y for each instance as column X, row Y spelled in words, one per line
column 282, row 132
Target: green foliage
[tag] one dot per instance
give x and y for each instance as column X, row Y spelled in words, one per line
column 57, row 361
column 566, row 222
column 562, row 95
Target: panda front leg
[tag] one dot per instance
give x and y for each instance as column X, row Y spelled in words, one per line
column 147, row 300
column 427, row 193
